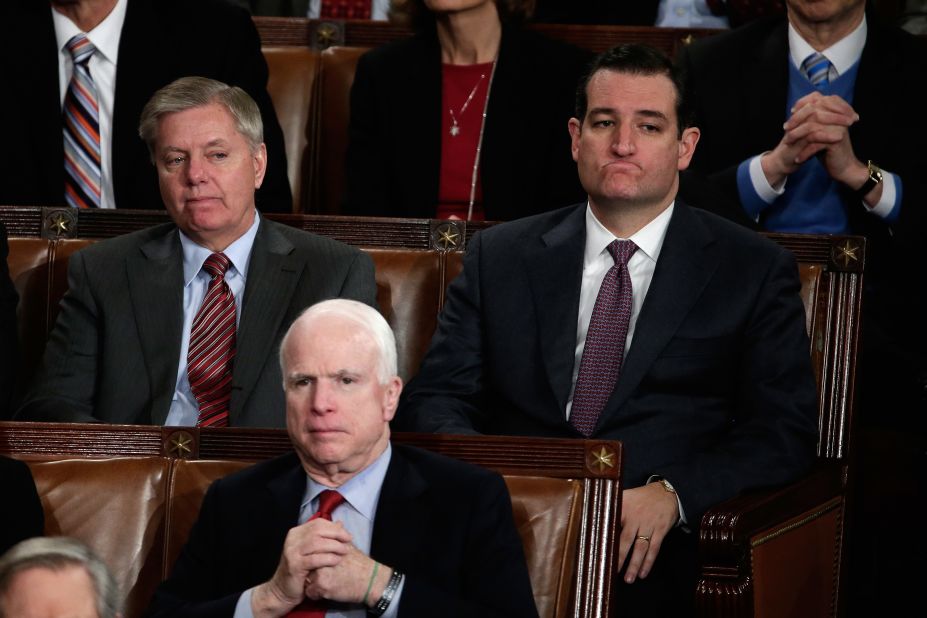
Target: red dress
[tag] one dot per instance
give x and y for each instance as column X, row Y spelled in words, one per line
column 459, row 150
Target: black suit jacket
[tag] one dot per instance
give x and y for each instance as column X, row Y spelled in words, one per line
column 8, row 332
column 394, row 153
column 161, row 41
column 738, row 85
column 114, row 351
column 445, row 524
column 716, row 392
column 22, row 516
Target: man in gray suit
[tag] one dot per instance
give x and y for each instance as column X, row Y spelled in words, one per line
column 179, row 324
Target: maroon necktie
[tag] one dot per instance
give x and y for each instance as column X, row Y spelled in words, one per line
column 212, row 347
column 345, row 9
column 329, row 500
column 605, row 339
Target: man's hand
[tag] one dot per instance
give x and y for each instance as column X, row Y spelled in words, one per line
column 315, row 544
column 650, row 512
column 346, row 580
column 818, row 124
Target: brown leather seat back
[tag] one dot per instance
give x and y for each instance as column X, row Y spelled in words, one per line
column 124, row 527
column 188, row 484
column 548, row 515
column 291, row 85
column 407, row 292
column 337, row 77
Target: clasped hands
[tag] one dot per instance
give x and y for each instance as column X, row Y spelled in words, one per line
column 647, row 512
column 819, row 125
column 319, row 561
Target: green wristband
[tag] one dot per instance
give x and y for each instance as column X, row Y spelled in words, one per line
column 373, row 576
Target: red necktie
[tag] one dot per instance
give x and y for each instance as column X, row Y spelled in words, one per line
column 345, row 9
column 329, row 500
column 605, row 340
column 212, row 347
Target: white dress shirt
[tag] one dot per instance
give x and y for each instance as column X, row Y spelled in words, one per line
column 102, row 65
column 597, row 261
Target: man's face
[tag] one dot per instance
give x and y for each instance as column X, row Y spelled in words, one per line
column 337, row 410
column 626, row 148
column 208, row 174
column 45, row 593
column 812, row 12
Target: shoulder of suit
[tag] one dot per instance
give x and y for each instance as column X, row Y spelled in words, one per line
column 748, row 36
column 263, row 471
column 125, row 243
column 528, row 227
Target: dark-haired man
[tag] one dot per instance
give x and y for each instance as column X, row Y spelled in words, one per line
column 632, row 317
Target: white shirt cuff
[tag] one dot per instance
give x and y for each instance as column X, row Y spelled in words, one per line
column 763, row 189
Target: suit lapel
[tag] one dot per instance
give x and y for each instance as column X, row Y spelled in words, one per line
column 683, row 270
column 155, row 277
column 768, row 72
column 273, row 273
column 402, row 515
column 558, row 260
column 287, row 491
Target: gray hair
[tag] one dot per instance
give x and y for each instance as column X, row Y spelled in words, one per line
column 364, row 316
column 56, row 554
column 189, row 92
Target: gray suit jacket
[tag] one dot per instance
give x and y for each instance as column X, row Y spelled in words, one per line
column 114, row 351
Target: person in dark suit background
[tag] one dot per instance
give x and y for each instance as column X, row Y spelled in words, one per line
column 348, row 520
column 840, row 166
column 8, row 333
column 470, row 112
column 22, row 516
column 142, row 46
column 121, row 349
column 715, row 392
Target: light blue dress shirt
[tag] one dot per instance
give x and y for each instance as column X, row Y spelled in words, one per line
column 184, row 409
column 357, row 513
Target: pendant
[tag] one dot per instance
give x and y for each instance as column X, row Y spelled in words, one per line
column 455, row 130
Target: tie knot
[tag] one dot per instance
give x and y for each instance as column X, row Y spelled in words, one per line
column 216, row 265
column 329, row 500
column 621, row 251
column 81, row 48
column 817, row 68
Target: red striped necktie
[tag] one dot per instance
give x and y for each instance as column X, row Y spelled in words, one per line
column 345, row 9
column 212, row 347
column 603, row 353
column 329, row 500
column 82, row 168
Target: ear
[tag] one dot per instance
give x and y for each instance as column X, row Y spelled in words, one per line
column 260, row 165
column 576, row 129
column 391, row 392
column 687, row 146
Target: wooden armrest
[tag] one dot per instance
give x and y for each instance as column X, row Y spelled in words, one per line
column 727, row 528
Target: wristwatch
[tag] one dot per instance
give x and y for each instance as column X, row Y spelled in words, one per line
column 875, row 177
column 666, row 484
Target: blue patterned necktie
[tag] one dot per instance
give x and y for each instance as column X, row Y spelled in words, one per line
column 603, row 353
column 817, row 68
column 82, row 167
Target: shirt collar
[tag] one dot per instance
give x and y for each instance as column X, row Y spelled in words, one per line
column 105, row 37
column 361, row 491
column 238, row 253
column 843, row 54
column 649, row 239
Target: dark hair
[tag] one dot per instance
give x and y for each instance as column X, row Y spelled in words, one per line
column 415, row 14
column 637, row 59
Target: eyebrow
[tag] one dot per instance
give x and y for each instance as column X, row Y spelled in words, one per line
column 647, row 113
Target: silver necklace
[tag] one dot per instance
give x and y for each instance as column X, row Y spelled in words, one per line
column 479, row 143
column 455, row 127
